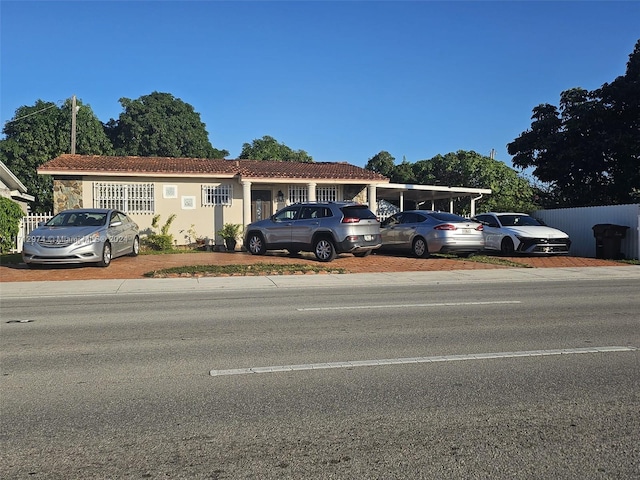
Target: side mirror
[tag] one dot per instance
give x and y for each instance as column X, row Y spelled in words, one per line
column 117, row 223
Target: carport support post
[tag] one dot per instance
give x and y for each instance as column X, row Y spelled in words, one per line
column 373, row 200
column 246, row 202
column 311, row 191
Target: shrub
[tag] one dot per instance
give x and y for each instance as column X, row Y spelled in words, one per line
column 10, row 216
column 163, row 240
column 159, row 242
column 230, row 231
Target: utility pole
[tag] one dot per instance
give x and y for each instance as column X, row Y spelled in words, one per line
column 74, row 111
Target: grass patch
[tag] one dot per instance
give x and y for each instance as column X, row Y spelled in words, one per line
column 489, row 259
column 150, row 251
column 256, row 269
column 630, row 262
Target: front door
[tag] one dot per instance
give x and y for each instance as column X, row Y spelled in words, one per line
column 260, row 204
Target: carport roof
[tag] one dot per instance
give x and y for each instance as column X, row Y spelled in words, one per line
column 422, row 193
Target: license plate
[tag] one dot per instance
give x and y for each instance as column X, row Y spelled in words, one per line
column 368, row 238
column 467, row 231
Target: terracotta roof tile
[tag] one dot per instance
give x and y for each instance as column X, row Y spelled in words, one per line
column 78, row 164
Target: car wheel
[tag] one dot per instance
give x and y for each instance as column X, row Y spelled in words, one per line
column 420, row 248
column 506, row 247
column 362, row 254
column 105, row 260
column 256, row 244
column 324, row 250
column 135, row 249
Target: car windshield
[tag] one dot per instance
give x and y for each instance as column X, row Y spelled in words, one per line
column 518, row 221
column 77, row 219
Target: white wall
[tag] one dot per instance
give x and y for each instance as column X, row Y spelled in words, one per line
column 578, row 223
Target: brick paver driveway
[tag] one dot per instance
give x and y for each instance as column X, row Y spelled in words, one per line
column 129, row 267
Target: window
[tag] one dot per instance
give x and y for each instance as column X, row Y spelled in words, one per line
column 409, row 217
column 327, row 194
column 287, row 214
column 298, row 193
column 128, row 197
column 188, row 202
column 170, row 191
column 216, row 195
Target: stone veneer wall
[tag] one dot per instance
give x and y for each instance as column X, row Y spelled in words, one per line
column 67, row 193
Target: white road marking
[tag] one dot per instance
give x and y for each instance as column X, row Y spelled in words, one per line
column 408, row 305
column 434, row 359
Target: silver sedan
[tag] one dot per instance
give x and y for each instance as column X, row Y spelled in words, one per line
column 82, row 236
column 423, row 232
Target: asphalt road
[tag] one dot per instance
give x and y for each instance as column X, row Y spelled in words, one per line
column 385, row 381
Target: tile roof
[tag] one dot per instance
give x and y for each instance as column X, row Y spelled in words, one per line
column 67, row 164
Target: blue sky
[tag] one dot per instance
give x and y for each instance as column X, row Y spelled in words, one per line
column 341, row 80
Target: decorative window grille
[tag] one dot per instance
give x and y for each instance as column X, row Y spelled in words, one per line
column 327, row 194
column 188, row 202
column 217, row 195
column 128, row 197
column 298, row 193
column 170, row 191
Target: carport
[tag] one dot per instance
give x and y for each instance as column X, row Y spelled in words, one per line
column 428, row 194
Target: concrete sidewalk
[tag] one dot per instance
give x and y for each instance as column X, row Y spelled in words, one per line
column 36, row 289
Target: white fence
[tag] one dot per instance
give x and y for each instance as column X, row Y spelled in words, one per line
column 579, row 222
column 27, row 225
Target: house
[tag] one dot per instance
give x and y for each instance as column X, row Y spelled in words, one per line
column 207, row 193
column 11, row 187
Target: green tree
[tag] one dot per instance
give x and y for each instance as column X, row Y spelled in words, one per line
column 160, row 125
column 621, row 121
column 41, row 132
column 404, row 173
column 587, row 150
column 510, row 190
column 268, row 148
column 382, row 163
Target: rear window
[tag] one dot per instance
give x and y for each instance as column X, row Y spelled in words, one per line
column 358, row 211
column 448, row 217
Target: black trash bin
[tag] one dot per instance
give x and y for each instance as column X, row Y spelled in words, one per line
column 608, row 240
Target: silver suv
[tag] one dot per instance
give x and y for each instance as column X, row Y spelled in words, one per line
column 324, row 228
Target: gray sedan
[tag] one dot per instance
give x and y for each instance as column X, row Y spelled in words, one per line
column 82, row 236
column 424, row 231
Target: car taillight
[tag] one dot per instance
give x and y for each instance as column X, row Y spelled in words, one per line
column 445, row 226
column 480, row 228
column 350, row 220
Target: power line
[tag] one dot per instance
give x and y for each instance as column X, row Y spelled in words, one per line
column 34, row 113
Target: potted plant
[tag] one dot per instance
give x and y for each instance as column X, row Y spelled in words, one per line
column 195, row 237
column 230, row 233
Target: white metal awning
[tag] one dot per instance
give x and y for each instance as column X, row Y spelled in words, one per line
column 421, row 194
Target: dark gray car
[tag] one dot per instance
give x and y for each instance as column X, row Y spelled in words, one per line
column 325, row 229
